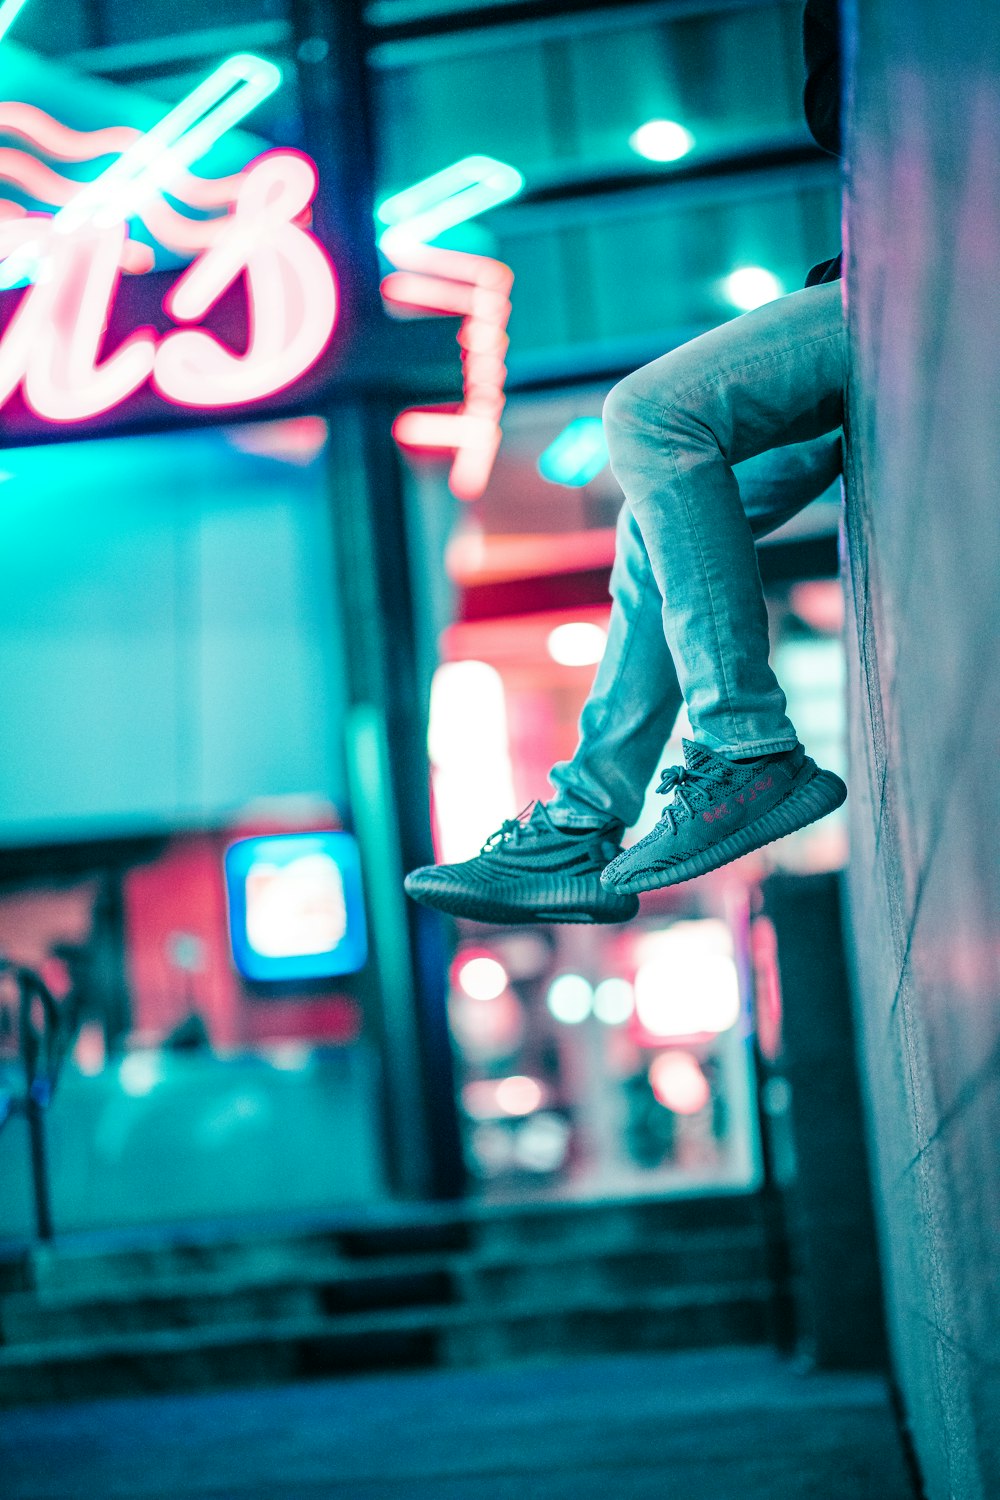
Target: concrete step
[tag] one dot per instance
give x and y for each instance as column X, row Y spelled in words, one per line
column 86, row 1270
column 95, row 1265
column 278, row 1349
column 229, row 1304
column 666, row 1260
column 192, row 1301
column 614, row 1224
column 332, row 1287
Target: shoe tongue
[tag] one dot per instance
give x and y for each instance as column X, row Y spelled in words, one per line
column 539, row 817
column 700, row 758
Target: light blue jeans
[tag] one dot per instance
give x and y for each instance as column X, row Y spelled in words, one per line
column 715, row 444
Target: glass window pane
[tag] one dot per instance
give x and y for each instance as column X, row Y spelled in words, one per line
column 573, row 99
column 658, row 268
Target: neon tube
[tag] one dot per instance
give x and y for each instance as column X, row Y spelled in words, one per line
column 53, row 344
column 155, row 158
column 450, row 283
column 9, row 12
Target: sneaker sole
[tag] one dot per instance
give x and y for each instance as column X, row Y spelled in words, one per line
column 803, row 804
column 609, row 908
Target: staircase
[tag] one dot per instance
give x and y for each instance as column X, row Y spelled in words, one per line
column 463, row 1286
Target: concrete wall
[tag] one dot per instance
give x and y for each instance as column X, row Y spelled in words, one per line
column 923, row 216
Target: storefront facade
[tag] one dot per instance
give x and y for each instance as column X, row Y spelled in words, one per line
column 262, row 535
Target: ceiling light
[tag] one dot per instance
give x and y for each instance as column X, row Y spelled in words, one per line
column 750, row 287
column 661, row 140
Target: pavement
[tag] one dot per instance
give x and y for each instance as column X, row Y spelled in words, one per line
column 731, row 1424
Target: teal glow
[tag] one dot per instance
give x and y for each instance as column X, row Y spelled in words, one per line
column 447, row 198
column 577, row 455
column 9, row 11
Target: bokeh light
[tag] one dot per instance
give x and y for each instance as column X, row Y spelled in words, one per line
column 577, row 455
column 687, row 983
column 661, row 140
column 542, row 1143
column 614, row 1001
column 519, row 1095
column 679, row 1083
column 578, row 643
column 482, row 977
column 570, row 998
column 140, row 1072
column 750, row 287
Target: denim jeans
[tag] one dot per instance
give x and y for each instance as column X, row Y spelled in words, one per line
column 714, row 445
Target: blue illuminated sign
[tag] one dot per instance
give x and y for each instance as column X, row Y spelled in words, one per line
column 577, row 455
column 296, row 909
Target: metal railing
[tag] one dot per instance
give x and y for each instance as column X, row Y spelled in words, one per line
column 44, row 1031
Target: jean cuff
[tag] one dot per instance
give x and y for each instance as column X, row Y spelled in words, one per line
column 747, row 752
column 593, row 821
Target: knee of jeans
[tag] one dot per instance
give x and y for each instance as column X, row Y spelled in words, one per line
column 620, row 412
column 638, row 407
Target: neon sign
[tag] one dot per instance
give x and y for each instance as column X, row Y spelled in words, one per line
column 9, row 11
column 296, row 906
column 249, row 229
column 453, row 282
column 577, row 455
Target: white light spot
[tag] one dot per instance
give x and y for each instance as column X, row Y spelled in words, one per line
column 580, row 643
column 661, row 140
column 614, row 1001
column 482, row 978
column 541, row 1143
column 139, row 1073
column 687, row 983
column 750, row 287
column 678, row 1082
column 492, row 1148
column 519, row 1095
column 470, row 756
column 569, row 999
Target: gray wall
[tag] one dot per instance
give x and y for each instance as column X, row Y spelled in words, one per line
column 924, row 571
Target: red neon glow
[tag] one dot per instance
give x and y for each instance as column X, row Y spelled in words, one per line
column 477, row 288
column 52, row 346
column 293, row 440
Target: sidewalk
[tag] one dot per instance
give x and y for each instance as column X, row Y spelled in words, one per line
column 734, row 1424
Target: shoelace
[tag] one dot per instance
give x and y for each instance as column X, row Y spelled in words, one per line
column 685, row 783
column 509, row 832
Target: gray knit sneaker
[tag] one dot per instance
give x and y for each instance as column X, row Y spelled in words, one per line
column 720, row 810
column 530, row 871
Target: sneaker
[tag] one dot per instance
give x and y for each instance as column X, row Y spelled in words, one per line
column 530, row 871
column 721, row 809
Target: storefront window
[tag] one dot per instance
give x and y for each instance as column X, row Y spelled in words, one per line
column 170, row 698
column 567, row 96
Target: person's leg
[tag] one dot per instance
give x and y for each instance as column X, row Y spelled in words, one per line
column 533, row 870
column 550, row 868
column 633, row 703
column 675, row 429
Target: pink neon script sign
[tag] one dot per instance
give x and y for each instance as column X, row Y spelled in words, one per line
column 476, row 288
column 52, row 347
